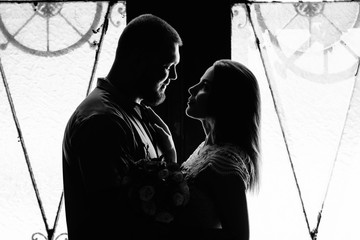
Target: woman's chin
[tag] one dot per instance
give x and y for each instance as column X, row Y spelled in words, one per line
column 189, row 113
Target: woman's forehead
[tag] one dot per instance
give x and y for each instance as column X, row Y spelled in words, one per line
column 209, row 74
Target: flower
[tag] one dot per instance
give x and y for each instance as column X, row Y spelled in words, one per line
column 164, row 217
column 149, row 208
column 178, row 199
column 156, row 189
column 146, row 193
column 178, row 177
column 163, row 174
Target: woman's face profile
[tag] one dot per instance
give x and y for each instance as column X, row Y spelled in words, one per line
column 197, row 105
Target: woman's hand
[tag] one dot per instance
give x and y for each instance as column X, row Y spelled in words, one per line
column 163, row 135
column 166, row 144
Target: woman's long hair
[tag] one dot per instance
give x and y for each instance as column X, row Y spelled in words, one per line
column 235, row 107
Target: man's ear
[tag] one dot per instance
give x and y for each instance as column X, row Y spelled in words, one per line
column 136, row 63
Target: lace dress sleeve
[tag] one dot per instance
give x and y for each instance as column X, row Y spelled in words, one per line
column 230, row 160
column 222, row 159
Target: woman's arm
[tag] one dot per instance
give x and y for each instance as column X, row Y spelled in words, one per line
column 231, row 205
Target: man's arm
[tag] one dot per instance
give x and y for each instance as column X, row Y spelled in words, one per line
column 102, row 162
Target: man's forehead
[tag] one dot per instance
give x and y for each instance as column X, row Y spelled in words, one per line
column 170, row 54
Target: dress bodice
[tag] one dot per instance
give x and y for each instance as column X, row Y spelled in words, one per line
column 223, row 159
column 209, row 163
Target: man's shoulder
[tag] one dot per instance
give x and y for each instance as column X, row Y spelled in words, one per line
column 101, row 103
column 98, row 110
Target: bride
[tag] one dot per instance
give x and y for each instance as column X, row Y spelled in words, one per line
column 225, row 164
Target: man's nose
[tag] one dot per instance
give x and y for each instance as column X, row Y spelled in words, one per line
column 173, row 74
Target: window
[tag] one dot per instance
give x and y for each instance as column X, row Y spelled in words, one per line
column 46, row 50
column 304, row 54
column 306, row 58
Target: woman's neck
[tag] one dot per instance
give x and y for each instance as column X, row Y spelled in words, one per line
column 208, row 126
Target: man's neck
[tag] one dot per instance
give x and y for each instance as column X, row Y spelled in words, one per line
column 125, row 91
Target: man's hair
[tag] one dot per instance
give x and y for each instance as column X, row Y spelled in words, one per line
column 146, row 33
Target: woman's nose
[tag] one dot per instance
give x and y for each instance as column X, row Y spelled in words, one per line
column 192, row 89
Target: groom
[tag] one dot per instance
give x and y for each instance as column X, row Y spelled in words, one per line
column 113, row 127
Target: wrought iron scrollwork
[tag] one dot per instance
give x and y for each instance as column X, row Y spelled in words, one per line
column 40, row 236
column 315, row 16
column 46, row 12
column 118, row 10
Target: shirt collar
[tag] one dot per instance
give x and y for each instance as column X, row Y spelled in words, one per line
column 123, row 101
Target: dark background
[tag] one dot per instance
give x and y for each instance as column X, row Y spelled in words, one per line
column 205, row 28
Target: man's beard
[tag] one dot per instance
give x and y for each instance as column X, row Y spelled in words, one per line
column 154, row 98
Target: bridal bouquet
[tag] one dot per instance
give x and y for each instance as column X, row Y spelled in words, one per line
column 156, row 189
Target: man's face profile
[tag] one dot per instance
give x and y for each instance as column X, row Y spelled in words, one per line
column 159, row 70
